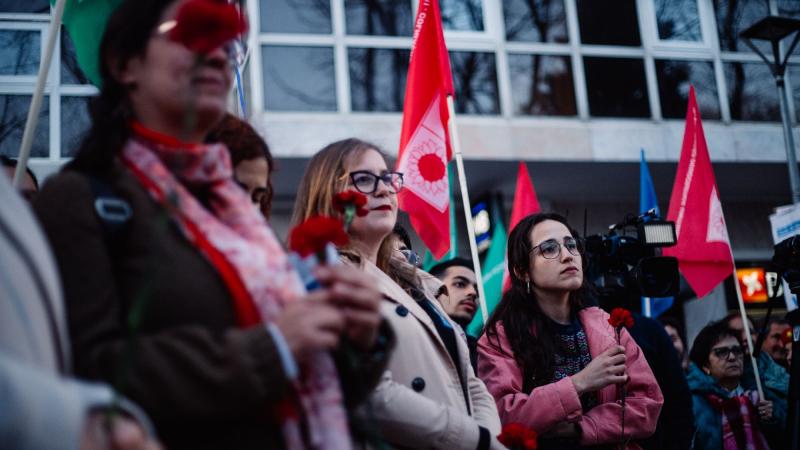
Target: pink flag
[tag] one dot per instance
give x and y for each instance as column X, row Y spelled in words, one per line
column 424, row 143
column 703, row 249
column 525, row 204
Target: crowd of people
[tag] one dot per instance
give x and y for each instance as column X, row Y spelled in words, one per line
column 147, row 303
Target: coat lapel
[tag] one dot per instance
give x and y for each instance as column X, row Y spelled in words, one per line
column 394, row 293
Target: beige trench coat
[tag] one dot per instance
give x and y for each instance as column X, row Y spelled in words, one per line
column 419, row 403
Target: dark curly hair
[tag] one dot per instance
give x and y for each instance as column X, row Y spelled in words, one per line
column 532, row 340
column 244, row 143
column 707, row 338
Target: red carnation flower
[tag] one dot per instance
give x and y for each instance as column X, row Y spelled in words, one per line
column 204, row 25
column 786, row 337
column 315, row 233
column 515, row 436
column 620, row 317
column 350, row 198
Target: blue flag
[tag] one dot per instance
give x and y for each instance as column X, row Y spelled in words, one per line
column 651, row 307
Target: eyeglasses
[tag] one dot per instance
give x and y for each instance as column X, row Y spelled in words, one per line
column 724, row 352
column 551, row 248
column 411, row 256
column 366, row 182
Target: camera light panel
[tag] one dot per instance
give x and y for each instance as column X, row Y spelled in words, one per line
column 658, row 234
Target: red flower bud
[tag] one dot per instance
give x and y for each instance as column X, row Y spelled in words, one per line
column 620, row 317
column 515, row 436
column 345, row 198
column 315, row 233
column 205, row 25
column 786, row 337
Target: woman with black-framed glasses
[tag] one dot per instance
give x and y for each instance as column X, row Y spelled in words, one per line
column 429, row 397
column 728, row 412
column 552, row 363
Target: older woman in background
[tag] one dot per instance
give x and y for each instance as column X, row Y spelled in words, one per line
column 728, row 412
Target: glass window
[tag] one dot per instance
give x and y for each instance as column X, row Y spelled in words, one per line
column 601, row 24
column 616, row 87
column 793, row 75
column 542, row 85
column 790, row 8
column 247, row 88
column 733, row 16
column 13, row 115
column 752, row 93
column 674, row 80
column 295, row 16
column 298, row 78
column 462, row 15
column 535, row 20
column 25, row 6
column 678, row 20
column 475, row 82
column 19, row 52
column 75, row 122
column 379, row 17
column 378, row 78
column 71, row 72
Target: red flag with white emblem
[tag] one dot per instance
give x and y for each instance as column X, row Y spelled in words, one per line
column 703, row 249
column 424, row 141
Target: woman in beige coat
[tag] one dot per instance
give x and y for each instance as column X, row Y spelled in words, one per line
column 429, row 397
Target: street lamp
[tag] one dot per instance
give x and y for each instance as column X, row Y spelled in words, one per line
column 774, row 29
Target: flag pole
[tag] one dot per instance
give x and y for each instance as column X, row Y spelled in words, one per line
column 455, row 144
column 747, row 331
column 38, row 94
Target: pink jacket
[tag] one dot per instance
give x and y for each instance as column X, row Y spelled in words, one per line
column 556, row 402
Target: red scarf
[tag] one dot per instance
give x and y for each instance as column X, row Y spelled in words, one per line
column 236, row 240
column 739, row 425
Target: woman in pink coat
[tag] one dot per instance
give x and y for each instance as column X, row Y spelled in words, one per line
column 553, row 364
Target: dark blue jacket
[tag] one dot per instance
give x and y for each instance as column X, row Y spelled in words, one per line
column 709, row 421
column 676, row 423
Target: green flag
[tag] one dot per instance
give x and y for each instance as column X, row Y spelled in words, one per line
column 85, row 20
column 493, row 268
column 428, row 261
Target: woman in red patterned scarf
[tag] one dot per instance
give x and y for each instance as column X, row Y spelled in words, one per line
column 728, row 413
column 177, row 290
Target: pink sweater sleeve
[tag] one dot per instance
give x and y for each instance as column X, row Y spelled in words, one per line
column 602, row 424
column 541, row 409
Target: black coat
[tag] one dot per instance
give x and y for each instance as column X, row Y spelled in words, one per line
column 205, row 382
column 676, row 422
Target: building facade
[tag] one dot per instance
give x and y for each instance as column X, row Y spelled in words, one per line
column 573, row 87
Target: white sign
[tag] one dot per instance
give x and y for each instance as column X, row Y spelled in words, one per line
column 785, row 224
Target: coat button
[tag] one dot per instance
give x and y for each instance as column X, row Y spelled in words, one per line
column 418, row 384
column 401, row 310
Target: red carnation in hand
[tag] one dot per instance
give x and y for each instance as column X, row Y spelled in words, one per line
column 517, row 437
column 315, row 233
column 204, row 25
column 353, row 199
column 620, row 317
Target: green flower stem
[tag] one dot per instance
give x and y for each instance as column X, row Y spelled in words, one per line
column 135, row 316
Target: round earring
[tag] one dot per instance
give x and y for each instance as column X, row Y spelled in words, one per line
column 528, row 284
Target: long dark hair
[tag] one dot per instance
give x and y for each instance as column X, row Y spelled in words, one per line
column 126, row 36
column 532, row 340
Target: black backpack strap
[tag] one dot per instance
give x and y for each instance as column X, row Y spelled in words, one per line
column 113, row 211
